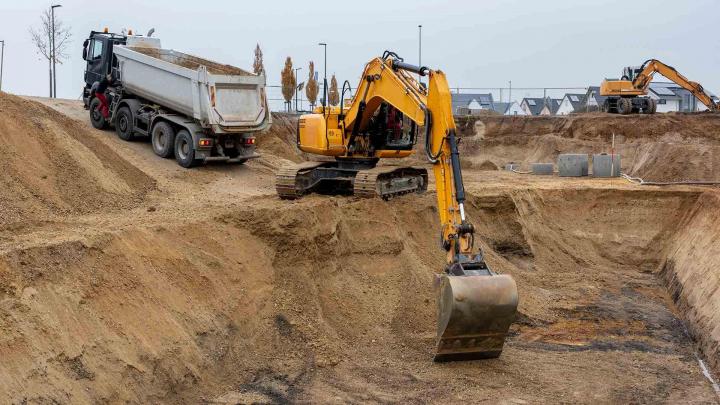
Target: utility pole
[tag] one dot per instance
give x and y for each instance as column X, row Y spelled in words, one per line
column 420, row 50
column 296, row 88
column 510, row 91
column 50, row 61
column 2, row 60
column 323, row 44
column 54, row 57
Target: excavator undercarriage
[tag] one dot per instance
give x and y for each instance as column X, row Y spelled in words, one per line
column 350, row 176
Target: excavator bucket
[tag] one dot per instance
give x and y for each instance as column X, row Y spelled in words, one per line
column 474, row 315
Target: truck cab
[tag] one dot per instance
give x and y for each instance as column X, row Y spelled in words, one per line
column 99, row 58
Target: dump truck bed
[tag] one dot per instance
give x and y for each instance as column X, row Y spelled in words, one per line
column 221, row 97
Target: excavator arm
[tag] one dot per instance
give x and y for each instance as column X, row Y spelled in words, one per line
column 652, row 66
column 476, row 306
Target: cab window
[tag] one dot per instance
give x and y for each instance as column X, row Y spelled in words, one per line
column 96, row 50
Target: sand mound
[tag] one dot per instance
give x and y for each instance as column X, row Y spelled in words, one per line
column 659, row 147
column 280, row 139
column 52, row 166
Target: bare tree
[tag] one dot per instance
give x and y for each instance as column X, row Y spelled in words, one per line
column 288, row 82
column 333, row 94
column 258, row 64
column 42, row 37
column 311, row 88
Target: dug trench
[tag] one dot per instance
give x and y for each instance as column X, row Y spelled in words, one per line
column 330, row 299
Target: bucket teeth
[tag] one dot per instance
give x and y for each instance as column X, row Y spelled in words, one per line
column 474, row 316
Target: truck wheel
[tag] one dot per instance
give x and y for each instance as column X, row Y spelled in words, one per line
column 651, row 106
column 124, row 124
column 163, row 139
column 624, row 106
column 184, row 149
column 96, row 118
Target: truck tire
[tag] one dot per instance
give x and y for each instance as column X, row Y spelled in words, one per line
column 163, row 139
column 96, row 118
column 124, row 124
column 624, row 106
column 651, row 106
column 185, row 149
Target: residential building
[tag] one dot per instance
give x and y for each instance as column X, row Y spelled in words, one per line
column 570, row 103
column 515, row 109
column 500, row 107
column 469, row 103
column 551, row 106
column 532, row 106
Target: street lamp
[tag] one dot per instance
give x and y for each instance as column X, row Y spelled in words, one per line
column 2, row 60
column 52, row 52
column 419, row 50
column 296, row 88
column 323, row 44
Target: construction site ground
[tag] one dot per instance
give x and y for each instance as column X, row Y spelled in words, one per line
column 125, row 278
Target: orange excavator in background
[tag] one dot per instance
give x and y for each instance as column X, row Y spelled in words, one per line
column 629, row 94
column 475, row 305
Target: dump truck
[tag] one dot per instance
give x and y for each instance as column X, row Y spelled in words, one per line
column 193, row 109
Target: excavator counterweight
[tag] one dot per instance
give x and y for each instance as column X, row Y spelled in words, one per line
column 476, row 306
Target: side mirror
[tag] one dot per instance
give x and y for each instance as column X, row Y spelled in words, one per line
column 85, row 49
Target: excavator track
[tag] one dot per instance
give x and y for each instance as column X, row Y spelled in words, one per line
column 286, row 179
column 387, row 182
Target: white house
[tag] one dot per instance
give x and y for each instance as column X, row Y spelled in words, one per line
column 515, row 109
column 532, row 106
column 665, row 98
column 468, row 104
column 570, row 103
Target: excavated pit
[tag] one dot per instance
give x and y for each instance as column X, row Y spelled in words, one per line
column 203, row 287
column 330, row 299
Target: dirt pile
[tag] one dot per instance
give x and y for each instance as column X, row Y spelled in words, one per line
column 52, row 166
column 280, row 140
column 659, row 147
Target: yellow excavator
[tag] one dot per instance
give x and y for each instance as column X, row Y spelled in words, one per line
column 476, row 306
column 629, row 94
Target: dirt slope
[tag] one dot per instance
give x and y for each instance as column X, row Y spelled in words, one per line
column 659, row 147
column 51, row 166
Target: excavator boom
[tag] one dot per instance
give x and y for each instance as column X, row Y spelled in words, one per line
column 476, row 306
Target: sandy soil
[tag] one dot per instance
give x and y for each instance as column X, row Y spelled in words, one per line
column 662, row 147
column 202, row 286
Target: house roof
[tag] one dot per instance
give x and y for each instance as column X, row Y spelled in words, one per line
column 534, row 104
column 575, row 99
column 464, row 99
column 554, row 104
column 665, row 92
column 500, row 107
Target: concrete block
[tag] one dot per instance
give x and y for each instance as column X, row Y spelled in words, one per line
column 573, row 165
column 605, row 165
column 542, row 168
column 512, row 166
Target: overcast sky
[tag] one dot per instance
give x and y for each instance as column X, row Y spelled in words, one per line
column 481, row 43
